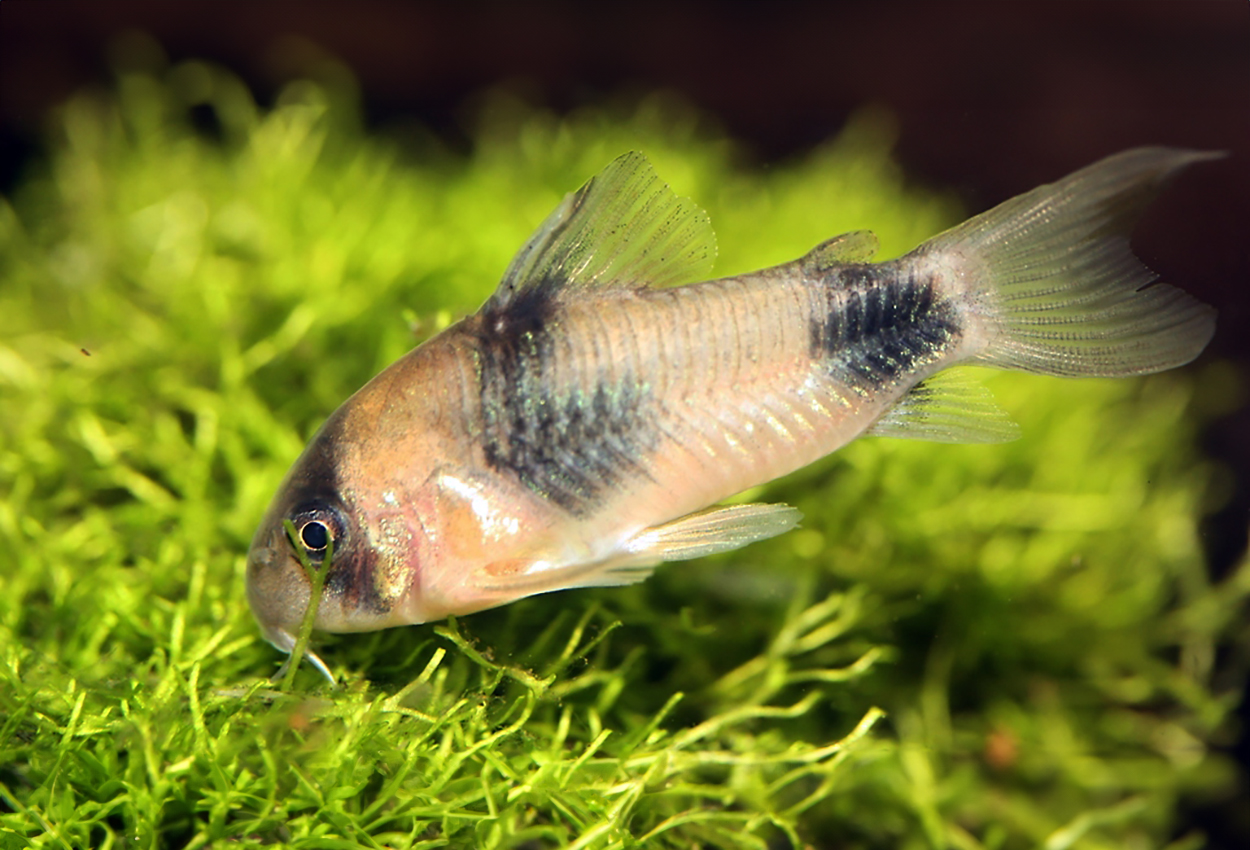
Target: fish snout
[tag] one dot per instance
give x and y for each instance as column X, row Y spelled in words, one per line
column 278, row 588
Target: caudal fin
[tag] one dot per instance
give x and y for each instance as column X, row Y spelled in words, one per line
column 1058, row 291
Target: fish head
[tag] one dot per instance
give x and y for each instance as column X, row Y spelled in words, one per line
column 404, row 504
column 373, row 550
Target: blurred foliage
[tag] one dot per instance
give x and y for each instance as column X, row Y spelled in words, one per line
column 964, row 646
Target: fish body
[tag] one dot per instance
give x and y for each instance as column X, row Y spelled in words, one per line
column 582, row 426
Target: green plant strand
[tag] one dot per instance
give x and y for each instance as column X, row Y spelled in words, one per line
column 316, row 582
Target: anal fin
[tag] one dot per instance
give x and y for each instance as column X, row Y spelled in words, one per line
column 950, row 407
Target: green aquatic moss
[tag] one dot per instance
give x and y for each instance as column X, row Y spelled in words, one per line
column 964, row 646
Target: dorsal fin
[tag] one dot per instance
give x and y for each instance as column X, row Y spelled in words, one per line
column 625, row 227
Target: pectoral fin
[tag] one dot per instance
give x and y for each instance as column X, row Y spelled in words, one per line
column 696, row 535
column 714, row 530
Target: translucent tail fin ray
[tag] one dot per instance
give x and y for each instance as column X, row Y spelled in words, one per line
column 1055, row 285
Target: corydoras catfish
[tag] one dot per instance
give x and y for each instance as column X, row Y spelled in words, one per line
column 582, row 426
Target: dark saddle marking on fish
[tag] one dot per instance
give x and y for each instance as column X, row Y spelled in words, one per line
column 880, row 322
column 568, row 444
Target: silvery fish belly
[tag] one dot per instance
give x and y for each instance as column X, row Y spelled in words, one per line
column 583, row 425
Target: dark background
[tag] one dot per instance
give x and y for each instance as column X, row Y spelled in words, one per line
column 992, row 98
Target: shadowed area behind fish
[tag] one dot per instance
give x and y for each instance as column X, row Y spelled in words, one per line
column 581, row 427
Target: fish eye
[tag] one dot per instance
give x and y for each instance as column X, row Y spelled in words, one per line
column 317, row 525
column 315, row 535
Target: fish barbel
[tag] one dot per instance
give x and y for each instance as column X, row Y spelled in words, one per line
column 581, row 427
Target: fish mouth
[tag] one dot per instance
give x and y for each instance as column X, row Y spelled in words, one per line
column 278, row 599
column 277, row 590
